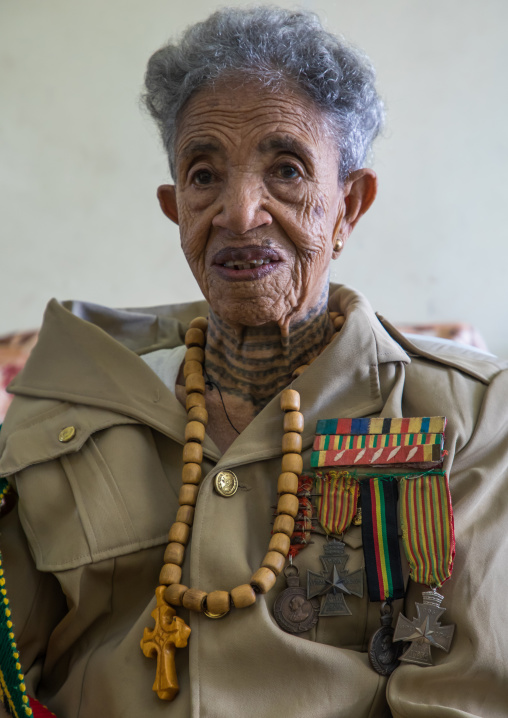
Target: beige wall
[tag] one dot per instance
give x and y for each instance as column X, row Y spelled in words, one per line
column 80, row 162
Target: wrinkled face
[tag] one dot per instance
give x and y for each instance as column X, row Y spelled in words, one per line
column 259, row 202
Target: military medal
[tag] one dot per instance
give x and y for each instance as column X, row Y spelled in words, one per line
column 429, row 543
column 293, row 611
column 424, row 631
column 426, row 519
column 383, row 566
column 334, row 581
column 384, row 654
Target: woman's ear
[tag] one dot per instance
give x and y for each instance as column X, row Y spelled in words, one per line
column 166, row 195
column 360, row 191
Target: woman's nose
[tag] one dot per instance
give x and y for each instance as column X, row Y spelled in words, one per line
column 242, row 205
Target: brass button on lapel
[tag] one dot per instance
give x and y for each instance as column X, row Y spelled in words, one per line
column 67, row 434
column 226, row 483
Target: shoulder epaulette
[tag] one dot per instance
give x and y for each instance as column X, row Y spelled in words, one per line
column 476, row 363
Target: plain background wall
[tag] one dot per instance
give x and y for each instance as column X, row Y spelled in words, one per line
column 80, row 162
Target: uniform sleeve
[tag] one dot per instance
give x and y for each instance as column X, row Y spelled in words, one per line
column 35, row 599
column 472, row 679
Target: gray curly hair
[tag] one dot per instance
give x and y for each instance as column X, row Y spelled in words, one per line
column 278, row 47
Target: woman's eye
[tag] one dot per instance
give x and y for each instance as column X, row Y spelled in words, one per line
column 288, row 172
column 202, row 177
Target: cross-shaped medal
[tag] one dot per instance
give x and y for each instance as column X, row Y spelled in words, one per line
column 424, row 631
column 169, row 631
column 335, row 581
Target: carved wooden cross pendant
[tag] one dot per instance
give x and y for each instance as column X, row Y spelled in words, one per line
column 335, row 581
column 169, row 631
column 424, row 631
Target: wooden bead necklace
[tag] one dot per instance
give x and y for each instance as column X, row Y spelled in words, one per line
column 217, row 604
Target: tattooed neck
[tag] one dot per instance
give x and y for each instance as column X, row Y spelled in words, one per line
column 255, row 363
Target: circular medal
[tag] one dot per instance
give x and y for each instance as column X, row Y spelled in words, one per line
column 383, row 652
column 292, row 610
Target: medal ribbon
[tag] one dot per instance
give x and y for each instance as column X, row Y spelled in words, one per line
column 380, row 539
column 303, row 521
column 336, row 505
column 427, row 528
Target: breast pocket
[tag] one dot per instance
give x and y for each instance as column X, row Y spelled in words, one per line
column 112, row 497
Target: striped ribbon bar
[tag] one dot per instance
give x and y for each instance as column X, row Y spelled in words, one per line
column 324, row 442
column 380, row 539
column 336, row 505
column 429, row 454
column 382, row 425
column 427, row 528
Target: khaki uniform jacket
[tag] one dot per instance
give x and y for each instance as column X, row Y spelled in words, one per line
column 83, row 560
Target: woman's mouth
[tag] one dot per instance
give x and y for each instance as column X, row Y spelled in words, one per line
column 245, row 263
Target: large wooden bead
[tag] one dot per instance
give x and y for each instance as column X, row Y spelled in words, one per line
column 170, row 573
column 263, row 580
column 287, row 483
column 198, row 413
column 274, row 561
column 334, row 315
column 185, row 513
column 299, row 370
column 290, row 400
column 195, row 382
column 291, row 443
column 243, row 596
column 192, row 367
column 284, row 524
column 293, row 421
column 194, row 399
column 195, row 354
column 218, row 602
column 188, row 495
column 288, row 504
column 293, row 463
column 175, row 553
column 194, row 431
column 193, row 453
column 193, row 599
column 194, row 337
column 179, row 533
column 279, row 542
column 338, row 322
column 200, row 323
column 191, row 473
column 174, row 594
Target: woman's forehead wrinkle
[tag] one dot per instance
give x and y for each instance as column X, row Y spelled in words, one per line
column 217, row 110
column 198, row 148
column 287, row 143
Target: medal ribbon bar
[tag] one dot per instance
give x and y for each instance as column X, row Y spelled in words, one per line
column 383, row 425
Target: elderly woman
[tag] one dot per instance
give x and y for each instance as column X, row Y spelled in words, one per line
column 127, row 424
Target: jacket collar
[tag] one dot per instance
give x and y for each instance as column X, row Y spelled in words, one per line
column 89, row 356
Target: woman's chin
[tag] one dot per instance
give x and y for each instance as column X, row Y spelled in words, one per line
column 254, row 313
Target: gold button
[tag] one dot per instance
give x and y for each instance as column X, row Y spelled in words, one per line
column 226, row 483
column 67, row 434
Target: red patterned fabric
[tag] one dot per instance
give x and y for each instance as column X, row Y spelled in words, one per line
column 14, row 351
column 40, row 711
